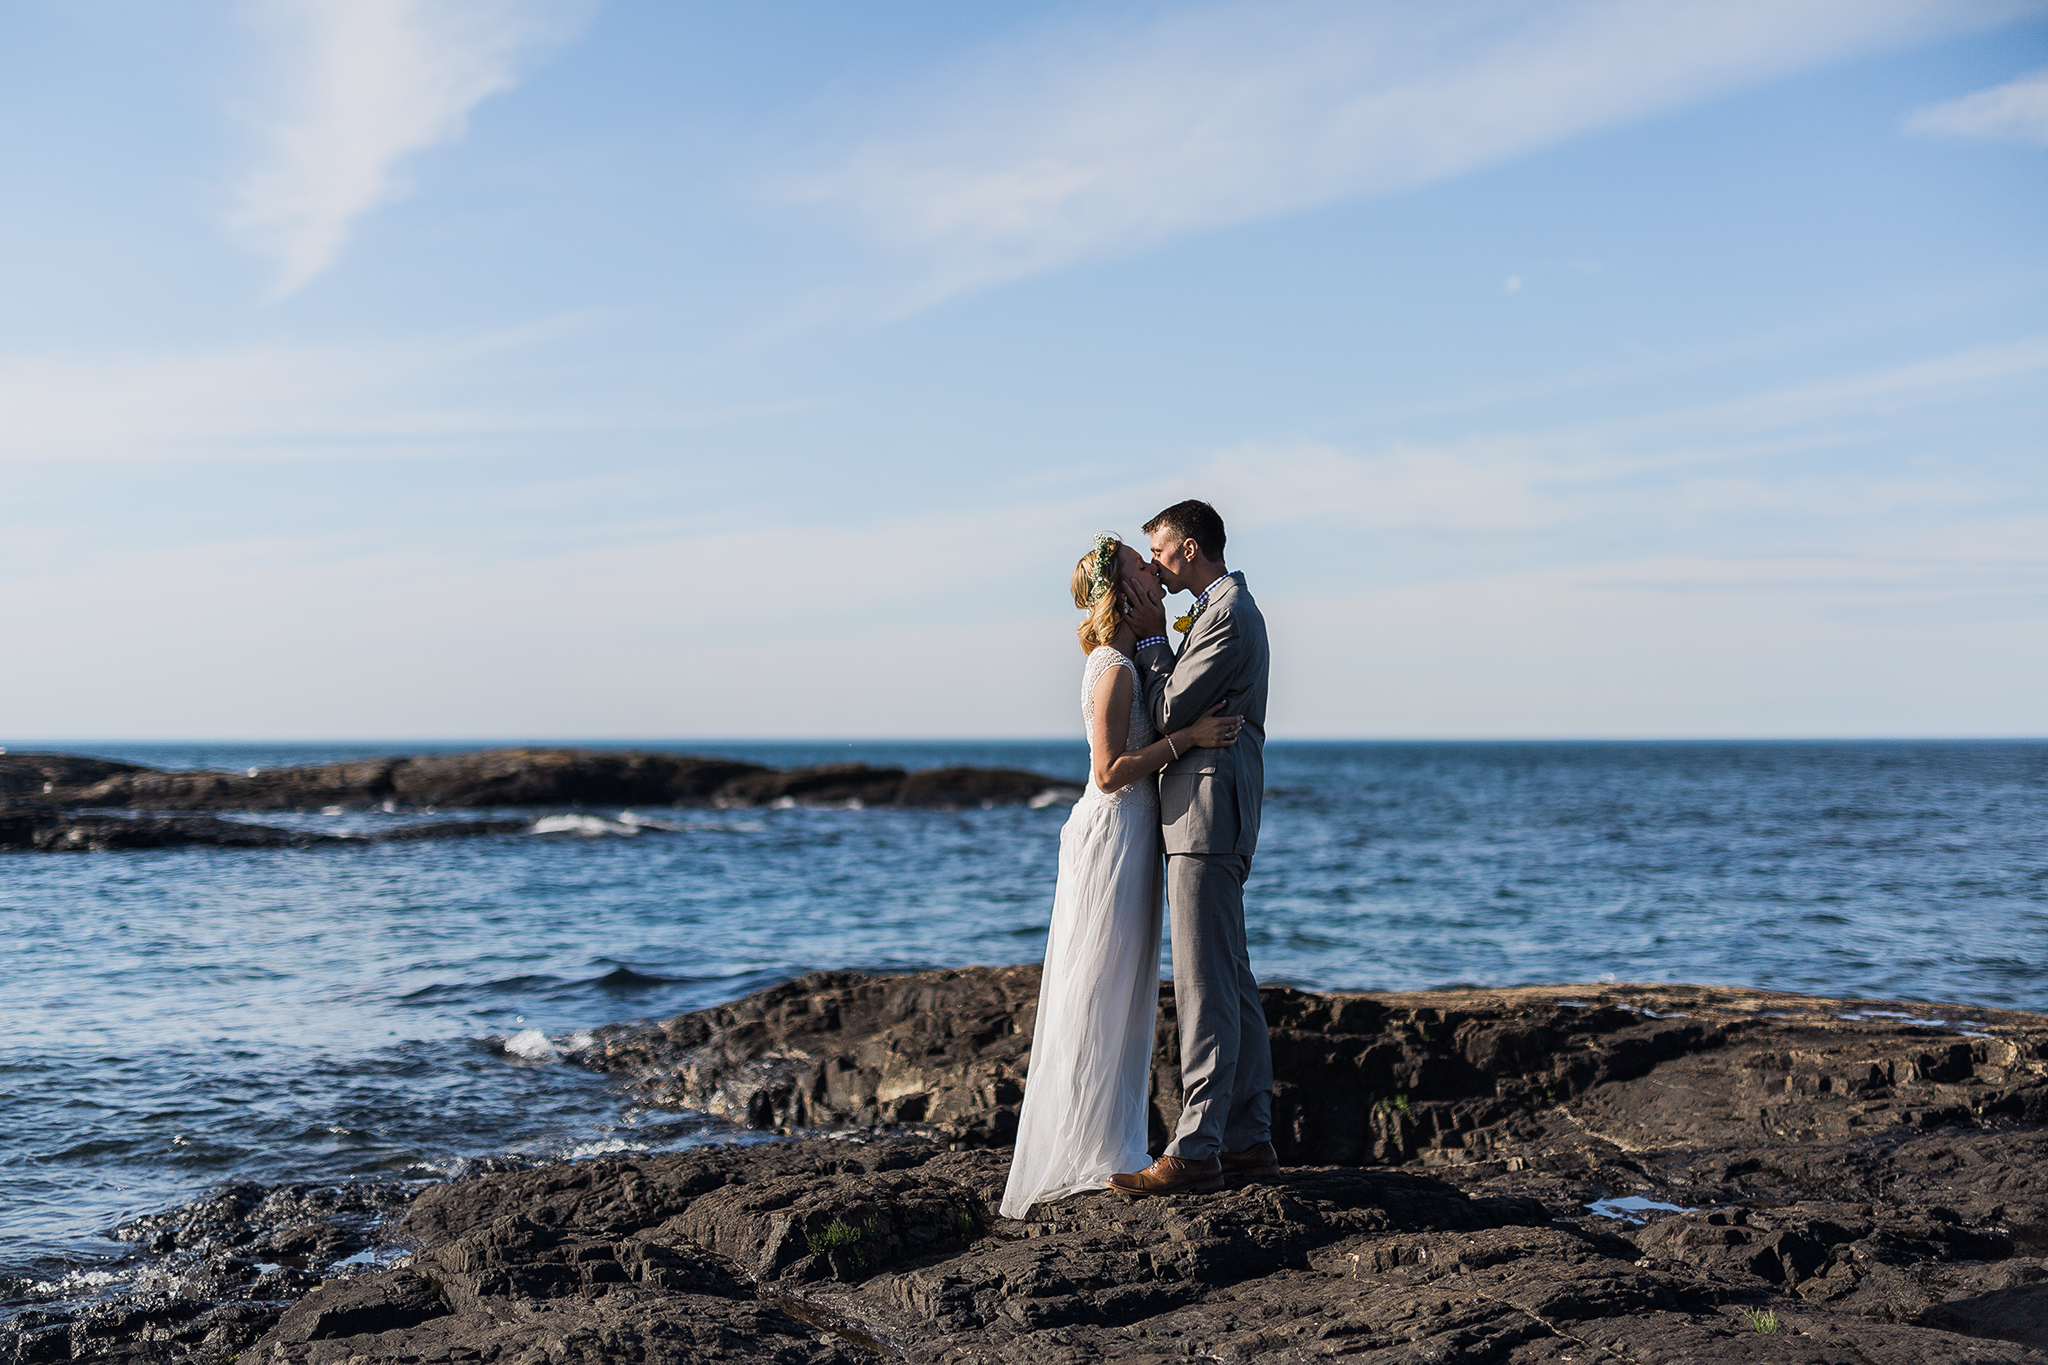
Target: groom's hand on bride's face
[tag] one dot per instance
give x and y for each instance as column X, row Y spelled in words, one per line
column 1147, row 596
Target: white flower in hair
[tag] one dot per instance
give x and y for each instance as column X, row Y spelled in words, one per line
column 1106, row 546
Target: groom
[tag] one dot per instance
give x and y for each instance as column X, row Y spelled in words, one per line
column 1209, row 807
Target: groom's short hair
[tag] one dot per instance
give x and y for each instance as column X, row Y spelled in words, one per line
column 1193, row 520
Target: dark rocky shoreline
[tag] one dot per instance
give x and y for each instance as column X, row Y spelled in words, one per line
column 69, row 803
column 1853, row 1181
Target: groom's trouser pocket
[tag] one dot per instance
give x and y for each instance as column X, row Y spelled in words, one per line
column 1198, row 812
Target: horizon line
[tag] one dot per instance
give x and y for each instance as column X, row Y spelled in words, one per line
column 504, row 742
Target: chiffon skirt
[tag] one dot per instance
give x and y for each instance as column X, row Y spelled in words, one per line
column 1087, row 1088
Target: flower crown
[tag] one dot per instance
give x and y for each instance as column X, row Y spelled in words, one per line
column 1106, row 545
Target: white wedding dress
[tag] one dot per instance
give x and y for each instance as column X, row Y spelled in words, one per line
column 1087, row 1088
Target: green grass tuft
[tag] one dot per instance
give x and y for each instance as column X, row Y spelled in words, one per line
column 839, row 1233
column 1764, row 1320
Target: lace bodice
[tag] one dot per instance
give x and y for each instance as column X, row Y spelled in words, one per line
column 1104, row 658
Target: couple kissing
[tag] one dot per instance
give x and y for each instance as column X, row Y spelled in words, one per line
column 1176, row 773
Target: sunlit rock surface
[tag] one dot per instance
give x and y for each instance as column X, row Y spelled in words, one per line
column 1573, row 1173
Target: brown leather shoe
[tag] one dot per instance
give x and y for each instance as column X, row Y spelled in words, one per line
column 1171, row 1175
column 1253, row 1163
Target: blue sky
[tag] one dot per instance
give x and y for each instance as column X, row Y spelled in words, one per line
column 392, row 369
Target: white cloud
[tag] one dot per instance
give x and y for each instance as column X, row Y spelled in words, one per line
column 1095, row 140
column 1747, row 454
column 2014, row 112
column 251, row 402
column 361, row 84
column 296, row 401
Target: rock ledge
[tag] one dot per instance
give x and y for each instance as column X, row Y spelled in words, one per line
column 1576, row 1173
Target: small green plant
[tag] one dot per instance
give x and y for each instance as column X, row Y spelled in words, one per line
column 1398, row 1104
column 1763, row 1320
column 839, row 1233
column 963, row 1224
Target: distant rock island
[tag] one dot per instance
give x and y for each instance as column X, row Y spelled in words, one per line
column 68, row 802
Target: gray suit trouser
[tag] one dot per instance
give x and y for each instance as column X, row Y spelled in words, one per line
column 1226, row 1063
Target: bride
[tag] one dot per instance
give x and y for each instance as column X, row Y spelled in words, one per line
column 1085, row 1096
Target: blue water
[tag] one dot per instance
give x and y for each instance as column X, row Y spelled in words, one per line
column 172, row 1019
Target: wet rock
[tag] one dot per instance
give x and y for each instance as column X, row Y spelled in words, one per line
column 46, row 829
column 38, row 774
column 551, row 777
column 43, row 828
column 964, row 788
column 493, row 777
column 831, row 783
column 944, row 788
column 209, row 1277
column 942, row 1050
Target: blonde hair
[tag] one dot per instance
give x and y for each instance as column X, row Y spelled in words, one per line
column 1104, row 604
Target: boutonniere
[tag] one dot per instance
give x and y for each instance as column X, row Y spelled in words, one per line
column 1187, row 623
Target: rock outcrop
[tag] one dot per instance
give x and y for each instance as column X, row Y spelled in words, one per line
column 1585, row 1173
column 563, row 778
column 1441, row 1077
column 35, row 826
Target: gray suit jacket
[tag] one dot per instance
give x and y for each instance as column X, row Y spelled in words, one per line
column 1209, row 799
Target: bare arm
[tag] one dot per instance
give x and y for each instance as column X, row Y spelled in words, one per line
column 1114, row 769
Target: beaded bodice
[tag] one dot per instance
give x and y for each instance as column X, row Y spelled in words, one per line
column 1100, row 661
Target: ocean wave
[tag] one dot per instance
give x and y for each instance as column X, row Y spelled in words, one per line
column 626, row 824
column 509, row 985
column 530, row 1045
column 584, row 826
column 77, row 1282
column 620, row 980
column 611, row 1146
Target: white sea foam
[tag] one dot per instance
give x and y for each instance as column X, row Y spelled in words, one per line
column 530, row 1044
column 76, row 1282
column 610, row 1146
column 639, row 821
column 583, row 826
column 1055, row 796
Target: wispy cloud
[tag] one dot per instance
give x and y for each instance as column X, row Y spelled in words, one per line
column 358, row 86
column 1807, row 450
column 1094, row 140
column 437, row 395
column 2014, row 112
column 249, row 402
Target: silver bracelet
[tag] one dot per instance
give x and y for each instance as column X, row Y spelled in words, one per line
column 1170, row 747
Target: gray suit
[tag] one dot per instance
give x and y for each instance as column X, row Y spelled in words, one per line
column 1209, row 803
